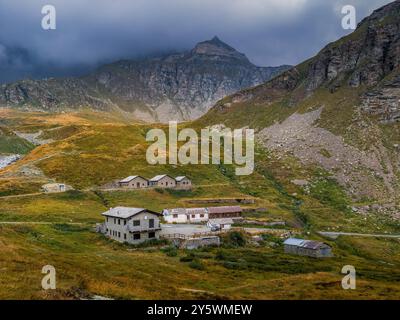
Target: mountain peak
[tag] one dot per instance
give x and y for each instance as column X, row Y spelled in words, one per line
column 216, row 48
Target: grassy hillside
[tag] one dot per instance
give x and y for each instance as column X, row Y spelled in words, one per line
column 86, row 155
column 10, row 143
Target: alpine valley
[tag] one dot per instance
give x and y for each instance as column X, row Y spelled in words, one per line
column 327, row 168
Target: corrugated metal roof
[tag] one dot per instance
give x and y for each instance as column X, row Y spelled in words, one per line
column 129, row 179
column 308, row 244
column 294, row 242
column 196, row 211
column 159, row 177
column 225, row 209
column 180, row 178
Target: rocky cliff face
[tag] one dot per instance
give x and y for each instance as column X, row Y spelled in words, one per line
column 364, row 57
column 174, row 87
column 339, row 110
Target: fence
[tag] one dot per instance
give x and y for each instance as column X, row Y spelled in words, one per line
column 197, row 234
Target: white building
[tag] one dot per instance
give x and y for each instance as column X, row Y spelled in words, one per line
column 55, row 187
column 189, row 215
column 177, row 215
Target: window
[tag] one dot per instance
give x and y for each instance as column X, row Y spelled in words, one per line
column 193, row 216
column 136, row 223
column 119, row 221
column 175, row 216
column 124, row 236
column 152, row 235
column 115, row 221
column 107, row 219
column 119, row 234
column 124, row 222
column 136, row 236
column 151, row 223
column 202, row 215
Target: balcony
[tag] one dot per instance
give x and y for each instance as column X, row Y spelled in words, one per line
column 144, row 228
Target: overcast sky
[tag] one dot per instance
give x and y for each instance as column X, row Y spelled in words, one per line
column 91, row 32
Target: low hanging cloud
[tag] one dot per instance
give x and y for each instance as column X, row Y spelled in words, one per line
column 92, row 32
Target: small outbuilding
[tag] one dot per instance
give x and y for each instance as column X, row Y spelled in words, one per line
column 162, row 181
column 134, row 182
column 185, row 215
column 221, row 224
column 55, row 187
column 308, row 248
column 183, row 182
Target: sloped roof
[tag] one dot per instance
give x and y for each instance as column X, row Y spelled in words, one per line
column 180, row 178
column 294, row 242
column 221, row 221
column 130, row 178
column 125, row 213
column 196, row 211
column 159, row 177
column 187, row 211
column 225, row 209
column 174, row 211
column 308, row 244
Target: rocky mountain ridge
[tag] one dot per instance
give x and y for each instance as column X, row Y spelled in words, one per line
column 173, row 87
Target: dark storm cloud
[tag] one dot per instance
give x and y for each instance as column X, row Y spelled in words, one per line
column 91, row 32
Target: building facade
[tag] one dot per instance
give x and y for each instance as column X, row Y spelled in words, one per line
column 188, row 215
column 224, row 212
column 55, row 187
column 162, row 181
column 177, row 215
column 183, row 182
column 131, row 225
column 134, row 182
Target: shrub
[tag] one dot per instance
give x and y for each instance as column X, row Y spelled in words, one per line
column 188, row 258
column 197, row 264
column 170, row 251
column 235, row 239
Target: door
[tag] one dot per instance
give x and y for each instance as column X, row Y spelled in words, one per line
column 138, row 185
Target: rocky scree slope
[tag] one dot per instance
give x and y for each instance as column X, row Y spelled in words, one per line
column 338, row 110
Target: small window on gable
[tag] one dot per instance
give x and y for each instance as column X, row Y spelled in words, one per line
column 136, row 223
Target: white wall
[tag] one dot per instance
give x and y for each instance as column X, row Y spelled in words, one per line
column 182, row 218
